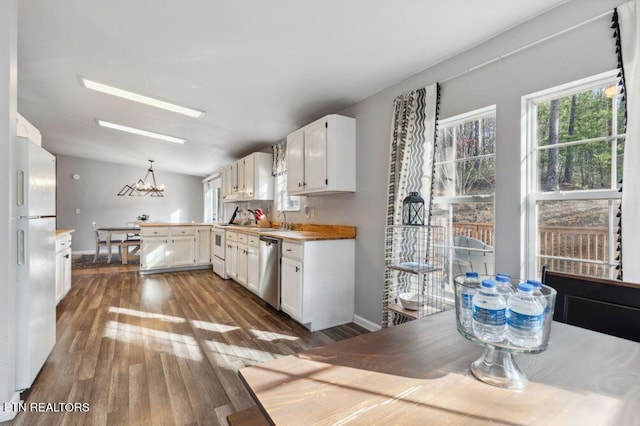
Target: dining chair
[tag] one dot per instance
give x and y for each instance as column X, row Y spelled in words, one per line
column 135, row 234
column 100, row 242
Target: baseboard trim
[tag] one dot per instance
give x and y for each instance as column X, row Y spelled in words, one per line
column 365, row 323
column 10, row 408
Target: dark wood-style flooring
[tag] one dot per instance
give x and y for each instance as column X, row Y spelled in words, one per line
column 161, row 349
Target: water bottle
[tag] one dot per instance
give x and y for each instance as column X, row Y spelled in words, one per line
column 489, row 313
column 525, row 318
column 503, row 285
column 471, row 284
column 537, row 292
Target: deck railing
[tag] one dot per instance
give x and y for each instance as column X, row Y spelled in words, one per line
column 560, row 246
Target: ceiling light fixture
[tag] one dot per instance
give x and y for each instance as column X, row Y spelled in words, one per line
column 141, row 132
column 114, row 91
column 142, row 187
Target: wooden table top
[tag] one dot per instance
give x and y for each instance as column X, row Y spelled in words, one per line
column 418, row 373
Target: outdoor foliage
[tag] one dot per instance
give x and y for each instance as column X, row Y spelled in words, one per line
column 579, row 117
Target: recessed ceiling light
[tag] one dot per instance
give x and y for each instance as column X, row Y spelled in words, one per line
column 139, row 132
column 110, row 90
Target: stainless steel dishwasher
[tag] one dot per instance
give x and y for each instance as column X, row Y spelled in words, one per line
column 269, row 279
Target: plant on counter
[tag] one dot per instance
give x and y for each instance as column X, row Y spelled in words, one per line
column 143, row 217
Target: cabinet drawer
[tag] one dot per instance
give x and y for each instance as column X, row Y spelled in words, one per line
column 156, row 231
column 232, row 236
column 292, row 250
column 178, row 231
column 63, row 242
column 254, row 241
column 243, row 238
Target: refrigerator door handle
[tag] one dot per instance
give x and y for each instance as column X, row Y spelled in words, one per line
column 20, row 182
column 21, row 248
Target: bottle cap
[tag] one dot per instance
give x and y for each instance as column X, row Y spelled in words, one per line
column 488, row 283
column 503, row 274
column 503, row 278
column 535, row 283
column 527, row 288
column 472, row 275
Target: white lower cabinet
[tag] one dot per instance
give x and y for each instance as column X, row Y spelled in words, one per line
column 318, row 282
column 231, row 255
column 253, row 263
column 154, row 253
column 63, row 266
column 291, row 289
column 203, row 245
column 243, row 251
column 174, row 247
column 183, row 251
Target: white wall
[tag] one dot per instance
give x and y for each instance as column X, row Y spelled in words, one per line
column 579, row 53
column 8, row 100
column 95, row 195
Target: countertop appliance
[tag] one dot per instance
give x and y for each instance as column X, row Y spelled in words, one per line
column 218, row 242
column 269, row 276
column 35, row 222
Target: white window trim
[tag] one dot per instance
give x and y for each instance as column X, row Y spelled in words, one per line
column 529, row 250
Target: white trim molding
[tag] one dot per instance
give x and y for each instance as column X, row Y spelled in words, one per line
column 365, row 323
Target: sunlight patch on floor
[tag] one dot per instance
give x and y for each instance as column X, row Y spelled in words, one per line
column 181, row 345
column 270, row 336
column 143, row 314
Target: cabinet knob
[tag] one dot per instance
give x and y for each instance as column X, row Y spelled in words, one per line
column 297, row 269
column 299, row 184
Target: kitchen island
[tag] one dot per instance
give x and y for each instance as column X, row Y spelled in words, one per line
column 167, row 247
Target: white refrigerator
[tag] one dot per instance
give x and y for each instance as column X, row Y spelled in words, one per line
column 35, row 207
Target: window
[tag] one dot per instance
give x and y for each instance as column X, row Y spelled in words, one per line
column 464, row 189
column 575, row 146
column 284, row 203
column 212, row 188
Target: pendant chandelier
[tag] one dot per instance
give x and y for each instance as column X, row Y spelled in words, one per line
column 146, row 186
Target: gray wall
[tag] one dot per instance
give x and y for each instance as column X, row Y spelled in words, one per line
column 575, row 54
column 95, row 195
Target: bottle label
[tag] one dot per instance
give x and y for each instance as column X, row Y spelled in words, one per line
column 524, row 321
column 466, row 300
column 489, row 316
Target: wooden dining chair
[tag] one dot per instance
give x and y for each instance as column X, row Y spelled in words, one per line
column 100, row 242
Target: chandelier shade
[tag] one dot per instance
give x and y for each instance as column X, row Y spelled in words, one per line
column 146, row 186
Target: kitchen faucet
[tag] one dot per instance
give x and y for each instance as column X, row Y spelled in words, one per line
column 284, row 224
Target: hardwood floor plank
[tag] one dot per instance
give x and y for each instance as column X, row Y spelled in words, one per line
column 161, row 349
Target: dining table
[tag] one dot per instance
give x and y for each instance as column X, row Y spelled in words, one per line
column 131, row 239
column 417, row 373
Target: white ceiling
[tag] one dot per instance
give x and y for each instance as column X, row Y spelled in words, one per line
column 260, row 69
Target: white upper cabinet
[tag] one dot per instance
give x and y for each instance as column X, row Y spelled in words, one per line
column 295, row 162
column 250, row 178
column 321, row 157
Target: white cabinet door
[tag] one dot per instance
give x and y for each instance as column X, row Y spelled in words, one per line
column 59, row 275
column 240, row 172
column 66, row 271
column 241, row 276
column 233, row 177
column 291, row 288
column 231, row 259
column 203, row 245
column 154, row 253
column 249, row 176
column 315, row 156
column 253, row 269
column 183, row 251
column 295, row 162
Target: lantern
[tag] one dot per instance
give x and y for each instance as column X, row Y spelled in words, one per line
column 413, row 210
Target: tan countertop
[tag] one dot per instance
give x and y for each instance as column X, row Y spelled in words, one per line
column 156, row 224
column 315, row 232
column 61, row 232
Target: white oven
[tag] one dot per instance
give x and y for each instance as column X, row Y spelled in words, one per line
column 218, row 243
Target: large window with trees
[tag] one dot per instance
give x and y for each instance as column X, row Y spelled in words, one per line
column 464, row 191
column 575, row 145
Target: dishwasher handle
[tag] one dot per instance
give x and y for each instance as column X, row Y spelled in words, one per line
column 269, row 240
